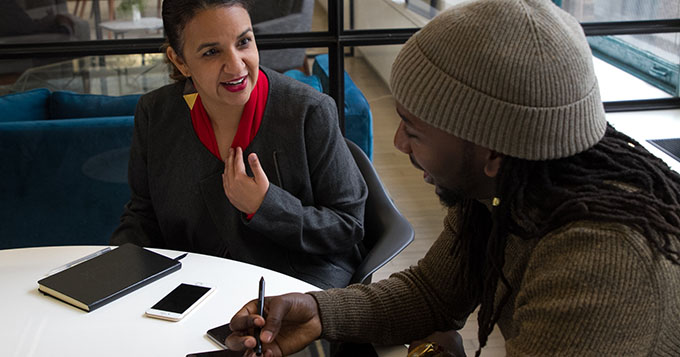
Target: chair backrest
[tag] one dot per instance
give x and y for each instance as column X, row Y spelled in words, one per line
column 265, row 10
column 283, row 16
column 386, row 231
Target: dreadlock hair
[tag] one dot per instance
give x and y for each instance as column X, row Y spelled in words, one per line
column 586, row 186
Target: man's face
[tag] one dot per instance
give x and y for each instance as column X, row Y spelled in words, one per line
column 459, row 169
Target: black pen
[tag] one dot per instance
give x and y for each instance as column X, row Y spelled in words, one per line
column 260, row 311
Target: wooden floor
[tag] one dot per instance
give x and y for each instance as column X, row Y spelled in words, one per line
column 414, row 198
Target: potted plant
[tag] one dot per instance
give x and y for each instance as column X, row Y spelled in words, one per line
column 132, row 7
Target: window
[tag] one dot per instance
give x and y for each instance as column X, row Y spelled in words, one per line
column 639, row 37
column 651, row 57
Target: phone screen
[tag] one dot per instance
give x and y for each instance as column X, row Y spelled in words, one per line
column 180, row 299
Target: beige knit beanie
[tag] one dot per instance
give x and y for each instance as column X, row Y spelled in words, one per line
column 514, row 76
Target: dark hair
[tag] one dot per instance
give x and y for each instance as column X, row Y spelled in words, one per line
column 176, row 15
column 586, row 186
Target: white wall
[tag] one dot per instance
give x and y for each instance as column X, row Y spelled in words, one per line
column 383, row 14
column 324, row 5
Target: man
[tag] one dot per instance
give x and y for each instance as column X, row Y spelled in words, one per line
column 561, row 230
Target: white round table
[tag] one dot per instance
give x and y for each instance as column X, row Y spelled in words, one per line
column 120, row 27
column 34, row 324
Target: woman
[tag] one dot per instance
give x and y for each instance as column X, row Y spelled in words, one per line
column 297, row 206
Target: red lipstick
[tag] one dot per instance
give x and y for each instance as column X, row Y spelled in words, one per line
column 237, row 85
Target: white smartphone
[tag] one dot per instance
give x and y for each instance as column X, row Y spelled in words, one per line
column 179, row 302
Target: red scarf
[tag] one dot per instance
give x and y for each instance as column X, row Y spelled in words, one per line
column 247, row 126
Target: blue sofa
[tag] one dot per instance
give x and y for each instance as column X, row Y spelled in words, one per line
column 63, row 172
column 358, row 117
column 63, row 168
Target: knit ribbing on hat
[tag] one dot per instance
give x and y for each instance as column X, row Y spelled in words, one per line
column 514, row 76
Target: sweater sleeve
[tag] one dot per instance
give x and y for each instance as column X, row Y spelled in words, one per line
column 334, row 222
column 138, row 223
column 407, row 306
column 587, row 292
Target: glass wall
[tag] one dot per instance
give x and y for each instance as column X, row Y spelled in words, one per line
column 108, row 75
column 55, row 41
column 651, row 57
column 642, row 51
column 31, row 21
column 621, row 10
column 79, row 20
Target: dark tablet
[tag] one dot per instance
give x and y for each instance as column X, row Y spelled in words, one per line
column 318, row 348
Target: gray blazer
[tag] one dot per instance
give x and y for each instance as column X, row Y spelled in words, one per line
column 310, row 224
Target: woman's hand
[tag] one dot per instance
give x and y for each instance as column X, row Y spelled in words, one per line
column 292, row 323
column 244, row 192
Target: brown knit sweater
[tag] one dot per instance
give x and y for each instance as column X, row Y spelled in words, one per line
column 584, row 289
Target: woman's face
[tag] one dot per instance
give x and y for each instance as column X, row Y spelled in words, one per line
column 220, row 56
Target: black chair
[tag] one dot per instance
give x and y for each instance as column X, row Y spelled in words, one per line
column 386, row 231
column 282, row 16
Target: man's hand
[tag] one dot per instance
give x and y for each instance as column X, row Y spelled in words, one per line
column 292, row 323
column 244, row 192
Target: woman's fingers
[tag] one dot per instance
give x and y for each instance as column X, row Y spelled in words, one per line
column 244, row 192
column 258, row 172
column 239, row 168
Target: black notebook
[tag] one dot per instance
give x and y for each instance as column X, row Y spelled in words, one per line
column 100, row 280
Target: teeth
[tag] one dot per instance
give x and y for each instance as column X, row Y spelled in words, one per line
column 237, row 82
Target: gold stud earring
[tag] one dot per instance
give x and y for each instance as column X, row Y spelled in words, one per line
column 496, row 202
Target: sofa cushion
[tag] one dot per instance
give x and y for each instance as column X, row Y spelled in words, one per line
column 312, row 81
column 24, row 106
column 358, row 117
column 69, row 105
